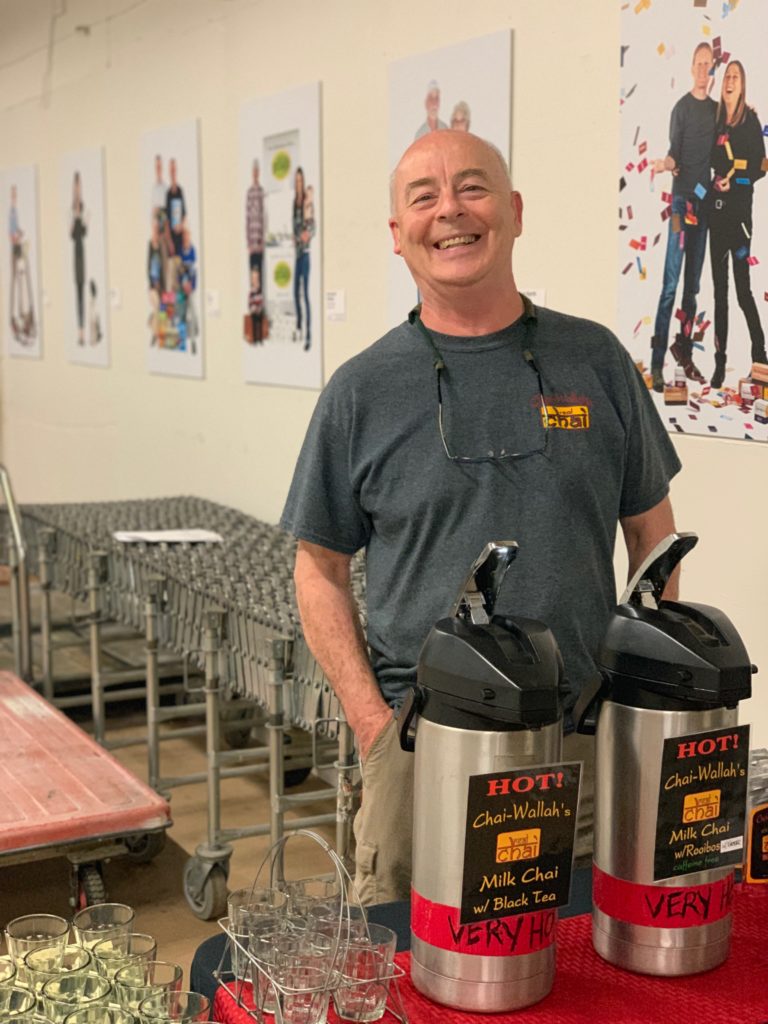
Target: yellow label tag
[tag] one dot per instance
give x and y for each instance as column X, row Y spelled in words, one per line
column 522, row 845
column 701, row 806
column 566, row 417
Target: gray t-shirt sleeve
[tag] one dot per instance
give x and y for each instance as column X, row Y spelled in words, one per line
column 322, row 506
column 650, row 458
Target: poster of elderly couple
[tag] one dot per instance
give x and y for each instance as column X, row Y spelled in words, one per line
column 693, row 211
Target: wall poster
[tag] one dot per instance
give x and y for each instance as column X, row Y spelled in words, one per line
column 693, row 211
column 281, row 239
column 19, row 266
column 172, row 261
column 84, row 257
column 466, row 87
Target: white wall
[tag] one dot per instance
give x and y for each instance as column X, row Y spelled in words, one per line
column 71, row 433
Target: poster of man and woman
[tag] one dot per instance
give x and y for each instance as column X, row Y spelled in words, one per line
column 466, row 87
column 693, row 211
column 19, row 266
column 83, row 257
column 281, row 239
column 170, row 169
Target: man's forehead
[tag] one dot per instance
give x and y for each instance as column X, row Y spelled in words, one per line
column 455, row 155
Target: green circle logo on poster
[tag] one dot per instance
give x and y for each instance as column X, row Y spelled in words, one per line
column 281, row 165
column 282, row 274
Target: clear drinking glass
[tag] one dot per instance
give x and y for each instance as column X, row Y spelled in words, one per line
column 67, row 992
column 174, row 1006
column 303, row 995
column 109, row 955
column 7, row 972
column 252, row 911
column 16, row 1002
column 34, row 930
column 102, row 921
column 366, row 969
column 137, row 981
column 99, row 1015
column 40, row 965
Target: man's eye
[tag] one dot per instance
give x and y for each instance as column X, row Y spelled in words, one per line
column 423, row 197
column 471, row 188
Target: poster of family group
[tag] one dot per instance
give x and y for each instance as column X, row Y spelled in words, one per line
column 172, row 261
column 279, row 200
column 693, row 211
column 467, row 87
column 84, row 257
column 19, row 267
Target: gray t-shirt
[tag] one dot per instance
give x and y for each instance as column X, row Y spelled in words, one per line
column 373, row 474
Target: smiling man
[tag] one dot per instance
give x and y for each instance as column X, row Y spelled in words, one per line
column 478, row 418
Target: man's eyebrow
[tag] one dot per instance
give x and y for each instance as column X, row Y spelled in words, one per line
column 471, row 172
column 418, row 183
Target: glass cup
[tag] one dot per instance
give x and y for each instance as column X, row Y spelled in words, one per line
column 65, row 993
column 99, row 1015
column 138, row 981
column 251, row 911
column 16, row 1002
column 174, row 1006
column 303, row 994
column 31, row 931
column 314, row 892
column 366, row 969
column 102, row 921
column 7, row 972
column 109, row 955
column 40, row 965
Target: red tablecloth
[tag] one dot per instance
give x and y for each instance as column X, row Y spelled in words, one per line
column 589, row 991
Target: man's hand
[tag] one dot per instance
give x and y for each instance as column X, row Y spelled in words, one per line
column 370, row 728
column 643, row 532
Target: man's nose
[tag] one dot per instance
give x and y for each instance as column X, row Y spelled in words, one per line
column 449, row 205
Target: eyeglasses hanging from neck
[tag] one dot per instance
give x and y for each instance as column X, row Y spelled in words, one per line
column 529, row 318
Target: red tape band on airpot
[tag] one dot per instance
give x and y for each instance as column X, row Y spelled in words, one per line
column 438, row 924
column 662, row 906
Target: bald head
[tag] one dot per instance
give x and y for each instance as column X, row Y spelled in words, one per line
column 445, row 141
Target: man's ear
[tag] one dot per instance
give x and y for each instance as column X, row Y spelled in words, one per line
column 517, row 206
column 394, row 227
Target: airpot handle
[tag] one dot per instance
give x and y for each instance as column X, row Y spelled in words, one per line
column 477, row 598
column 648, row 583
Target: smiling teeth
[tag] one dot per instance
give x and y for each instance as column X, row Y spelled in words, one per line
column 449, row 243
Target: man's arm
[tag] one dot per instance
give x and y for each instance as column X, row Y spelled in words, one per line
column 642, row 533
column 332, row 629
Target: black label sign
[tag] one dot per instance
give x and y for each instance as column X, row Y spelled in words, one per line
column 757, row 850
column 702, row 802
column 519, row 841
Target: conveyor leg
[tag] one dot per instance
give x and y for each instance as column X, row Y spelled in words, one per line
column 47, row 549
column 153, row 683
column 275, row 725
column 97, row 565
column 345, row 793
column 211, row 647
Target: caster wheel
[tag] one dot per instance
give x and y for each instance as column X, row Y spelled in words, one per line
column 90, row 886
column 145, row 846
column 235, row 738
column 295, row 776
column 206, row 895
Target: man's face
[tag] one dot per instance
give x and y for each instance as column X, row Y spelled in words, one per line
column 172, row 171
column 255, row 174
column 702, row 65
column 455, row 215
column 158, row 168
column 432, row 102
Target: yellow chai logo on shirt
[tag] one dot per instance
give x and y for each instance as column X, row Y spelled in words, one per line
column 565, row 417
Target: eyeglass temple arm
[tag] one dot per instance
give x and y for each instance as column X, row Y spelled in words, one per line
column 477, row 598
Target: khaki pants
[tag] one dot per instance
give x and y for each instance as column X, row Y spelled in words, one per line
column 384, row 824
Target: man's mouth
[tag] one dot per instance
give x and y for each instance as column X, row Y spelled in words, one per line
column 452, row 243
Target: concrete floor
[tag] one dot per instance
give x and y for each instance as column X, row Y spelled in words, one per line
column 154, row 890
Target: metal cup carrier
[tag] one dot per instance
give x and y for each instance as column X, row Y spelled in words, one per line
column 238, row 990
